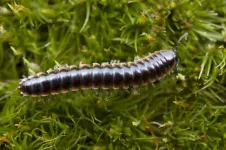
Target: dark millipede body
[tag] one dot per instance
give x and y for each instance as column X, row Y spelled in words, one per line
column 106, row 76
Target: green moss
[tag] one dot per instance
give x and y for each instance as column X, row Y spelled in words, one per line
column 175, row 114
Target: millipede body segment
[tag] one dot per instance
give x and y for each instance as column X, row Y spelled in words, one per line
column 105, row 76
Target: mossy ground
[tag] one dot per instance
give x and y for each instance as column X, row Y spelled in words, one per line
column 175, row 114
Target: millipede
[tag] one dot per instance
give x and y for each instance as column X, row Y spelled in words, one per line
column 113, row 75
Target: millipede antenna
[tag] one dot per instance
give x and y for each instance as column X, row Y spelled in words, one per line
column 181, row 38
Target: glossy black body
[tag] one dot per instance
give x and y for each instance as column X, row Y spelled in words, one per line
column 124, row 75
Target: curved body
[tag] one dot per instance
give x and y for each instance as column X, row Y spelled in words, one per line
column 106, row 76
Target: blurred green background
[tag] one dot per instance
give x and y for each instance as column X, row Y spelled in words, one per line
column 176, row 114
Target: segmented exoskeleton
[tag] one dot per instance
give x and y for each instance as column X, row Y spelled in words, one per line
column 106, row 76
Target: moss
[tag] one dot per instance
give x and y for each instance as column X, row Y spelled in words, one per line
column 175, row 114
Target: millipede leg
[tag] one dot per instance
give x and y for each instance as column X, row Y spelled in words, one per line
column 80, row 64
column 156, row 82
column 56, row 67
column 95, row 91
column 180, row 77
column 152, row 84
column 113, row 62
column 108, row 92
column 64, row 67
column 83, row 93
column 49, row 71
column 178, row 70
column 136, row 91
column 59, row 68
column 136, row 58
